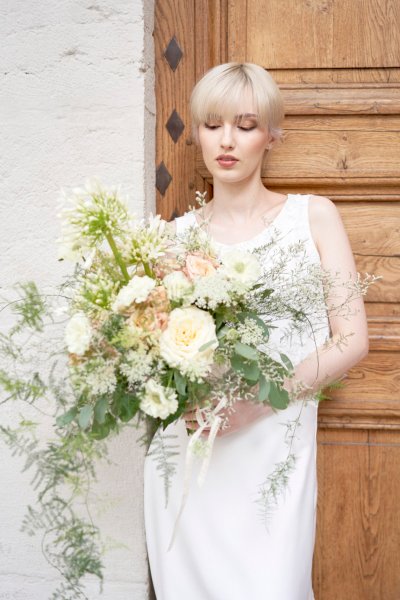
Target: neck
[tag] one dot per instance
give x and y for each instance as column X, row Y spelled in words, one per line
column 239, row 199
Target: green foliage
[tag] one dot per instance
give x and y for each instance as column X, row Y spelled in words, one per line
column 322, row 393
column 163, row 453
column 278, row 397
column 30, row 308
column 70, row 543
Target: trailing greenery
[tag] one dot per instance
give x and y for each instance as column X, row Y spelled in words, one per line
column 63, row 468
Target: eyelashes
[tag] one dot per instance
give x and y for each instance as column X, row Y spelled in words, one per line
column 215, row 127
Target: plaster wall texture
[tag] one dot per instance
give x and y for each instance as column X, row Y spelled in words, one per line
column 77, row 101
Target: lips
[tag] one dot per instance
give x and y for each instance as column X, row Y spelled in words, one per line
column 226, row 161
column 226, row 157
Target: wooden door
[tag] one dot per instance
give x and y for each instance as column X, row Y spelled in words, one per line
column 338, row 65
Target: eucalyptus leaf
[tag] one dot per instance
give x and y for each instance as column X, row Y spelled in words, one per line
column 263, row 388
column 286, row 361
column 222, row 332
column 85, row 416
column 206, row 345
column 180, row 383
column 251, row 371
column 247, row 369
column 67, row 417
column 246, row 351
column 100, row 410
column 278, row 397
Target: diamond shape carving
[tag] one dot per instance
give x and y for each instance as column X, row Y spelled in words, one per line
column 173, row 53
column 163, row 178
column 175, row 126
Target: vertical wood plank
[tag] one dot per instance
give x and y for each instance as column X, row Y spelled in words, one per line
column 358, row 515
column 174, row 18
column 237, row 30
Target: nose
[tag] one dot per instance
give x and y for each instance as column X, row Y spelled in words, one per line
column 227, row 138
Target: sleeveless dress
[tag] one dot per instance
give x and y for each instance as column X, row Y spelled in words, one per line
column 222, row 550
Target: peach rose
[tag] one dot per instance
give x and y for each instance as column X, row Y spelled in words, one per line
column 165, row 266
column 198, row 265
column 152, row 315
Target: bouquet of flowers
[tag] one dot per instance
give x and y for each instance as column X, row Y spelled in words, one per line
column 157, row 324
column 152, row 316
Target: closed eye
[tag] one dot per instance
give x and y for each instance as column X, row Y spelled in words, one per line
column 242, row 128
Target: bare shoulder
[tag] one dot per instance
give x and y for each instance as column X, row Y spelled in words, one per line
column 326, row 224
column 321, row 208
column 325, row 220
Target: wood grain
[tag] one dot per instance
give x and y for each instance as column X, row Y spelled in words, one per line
column 373, row 227
column 319, row 34
column 321, row 77
column 307, row 100
column 358, row 510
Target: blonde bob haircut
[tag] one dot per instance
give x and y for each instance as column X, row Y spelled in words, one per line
column 219, row 92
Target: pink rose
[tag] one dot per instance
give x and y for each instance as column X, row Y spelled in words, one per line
column 199, row 266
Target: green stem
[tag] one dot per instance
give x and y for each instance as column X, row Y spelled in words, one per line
column 117, row 256
column 147, row 270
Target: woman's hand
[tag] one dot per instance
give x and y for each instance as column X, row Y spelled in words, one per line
column 245, row 412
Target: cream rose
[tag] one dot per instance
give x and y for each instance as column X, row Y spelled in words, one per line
column 240, row 266
column 198, row 266
column 188, row 330
column 78, row 334
column 177, row 285
column 158, row 401
column 137, row 290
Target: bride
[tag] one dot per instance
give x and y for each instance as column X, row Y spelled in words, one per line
column 221, row 550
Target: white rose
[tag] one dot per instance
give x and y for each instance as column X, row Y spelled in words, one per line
column 177, row 285
column 158, row 401
column 241, row 266
column 136, row 290
column 187, row 331
column 78, row 334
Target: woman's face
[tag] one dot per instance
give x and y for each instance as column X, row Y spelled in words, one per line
column 242, row 140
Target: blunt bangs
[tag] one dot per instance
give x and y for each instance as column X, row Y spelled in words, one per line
column 219, row 94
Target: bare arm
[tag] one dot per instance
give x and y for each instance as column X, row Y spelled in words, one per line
column 329, row 363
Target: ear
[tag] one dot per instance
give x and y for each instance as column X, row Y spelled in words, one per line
column 271, row 142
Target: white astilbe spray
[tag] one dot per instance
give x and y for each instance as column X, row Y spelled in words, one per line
column 250, row 333
column 96, row 376
column 136, row 366
column 211, row 291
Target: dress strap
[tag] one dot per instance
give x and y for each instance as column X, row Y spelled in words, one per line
column 183, row 222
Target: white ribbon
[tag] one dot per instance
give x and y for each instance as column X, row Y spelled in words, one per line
column 190, row 455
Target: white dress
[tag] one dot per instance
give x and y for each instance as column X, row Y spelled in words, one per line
column 222, row 549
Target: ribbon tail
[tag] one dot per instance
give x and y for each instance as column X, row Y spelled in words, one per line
column 190, row 457
column 210, row 442
column 186, row 480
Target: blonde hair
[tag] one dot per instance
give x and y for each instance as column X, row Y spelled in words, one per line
column 220, row 90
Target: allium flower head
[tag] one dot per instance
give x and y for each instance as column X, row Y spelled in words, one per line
column 147, row 241
column 88, row 215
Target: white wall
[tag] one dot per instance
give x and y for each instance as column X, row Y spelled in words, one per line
column 77, row 100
